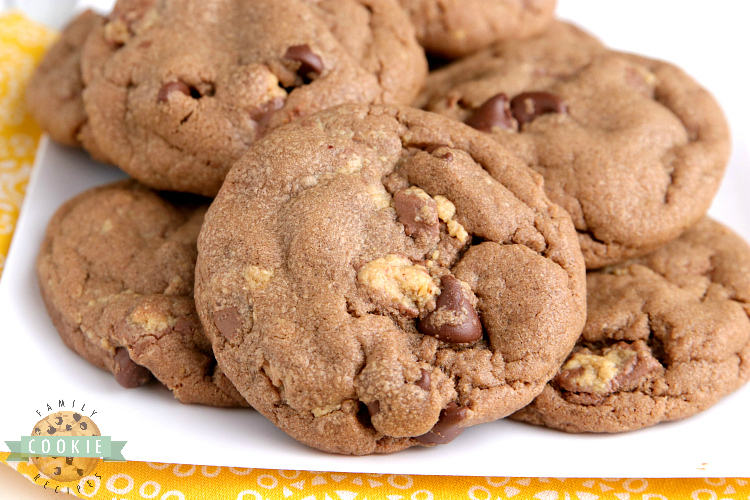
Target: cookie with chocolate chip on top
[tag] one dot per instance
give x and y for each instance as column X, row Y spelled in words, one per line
column 633, row 148
column 368, row 285
column 177, row 90
column 667, row 336
column 116, row 273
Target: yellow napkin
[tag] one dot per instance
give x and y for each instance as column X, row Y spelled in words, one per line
column 138, row 480
column 22, row 44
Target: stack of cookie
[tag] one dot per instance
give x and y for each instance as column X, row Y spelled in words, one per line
column 372, row 276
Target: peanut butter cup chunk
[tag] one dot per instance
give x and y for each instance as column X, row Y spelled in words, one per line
column 374, row 278
column 116, row 272
column 667, row 336
column 633, row 148
column 177, row 90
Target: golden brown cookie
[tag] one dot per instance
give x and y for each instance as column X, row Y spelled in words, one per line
column 116, row 273
column 65, row 423
column 632, row 148
column 667, row 336
column 369, row 286
column 176, row 91
column 455, row 28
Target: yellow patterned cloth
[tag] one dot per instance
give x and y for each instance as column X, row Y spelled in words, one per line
column 139, row 480
column 21, row 45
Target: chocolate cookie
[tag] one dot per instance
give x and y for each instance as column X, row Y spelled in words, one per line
column 368, row 285
column 65, row 423
column 667, row 336
column 455, row 28
column 54, row 92
column 116, row 273
column 632, row 148
column 178, row 90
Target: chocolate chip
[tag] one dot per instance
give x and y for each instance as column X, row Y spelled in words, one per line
column 446, row 429
column 37, row 430
column 417, row 211
column 168, row 88
column 68, row 427
column 76, row 417
column 69, row 460
column 51, row 430
column 228, row 322
column 83, row 426
column 493, row 113
column 262, row 114
column 454, row 318
column 57, row 472
column 424, row 382
column 59, row 421
column 185, row 327
column 309, row 61
column 373, row 407
column 127, row 373
column 528, row 106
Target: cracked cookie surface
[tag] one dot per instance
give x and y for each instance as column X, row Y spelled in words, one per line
column 455, row 28
column 405, row 292
column 667, row 336
column 116, row 272
column 632, row 148
column 176, row 91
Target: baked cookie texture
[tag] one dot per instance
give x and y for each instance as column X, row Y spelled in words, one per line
column 667, row 336
column 176, row 91
column 374, row 278
column 65, row 423
column 632, row 148
column 455, row 28
column 54, row 91
column 116, row 273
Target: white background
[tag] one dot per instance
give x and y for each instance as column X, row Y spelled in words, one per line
column 709, row 40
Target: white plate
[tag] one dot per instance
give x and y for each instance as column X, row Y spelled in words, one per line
column 39, row 370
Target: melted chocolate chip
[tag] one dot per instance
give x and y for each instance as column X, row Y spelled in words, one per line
column 51, row 430
column 493, row 113
column 69, row 460
column 59, row 421
column 68, row 427
column 446, row 429
column 528, row 106
column 228, row 322
column 424, row 382
column 170, row 87
column 373, row 407
column 76, row 417
column 454, row 318
column 83, row 426
column 262, row 114
column 417, row 211
column 127, row 373
column 309, row 61
column 37, row 430
column 57, row 472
